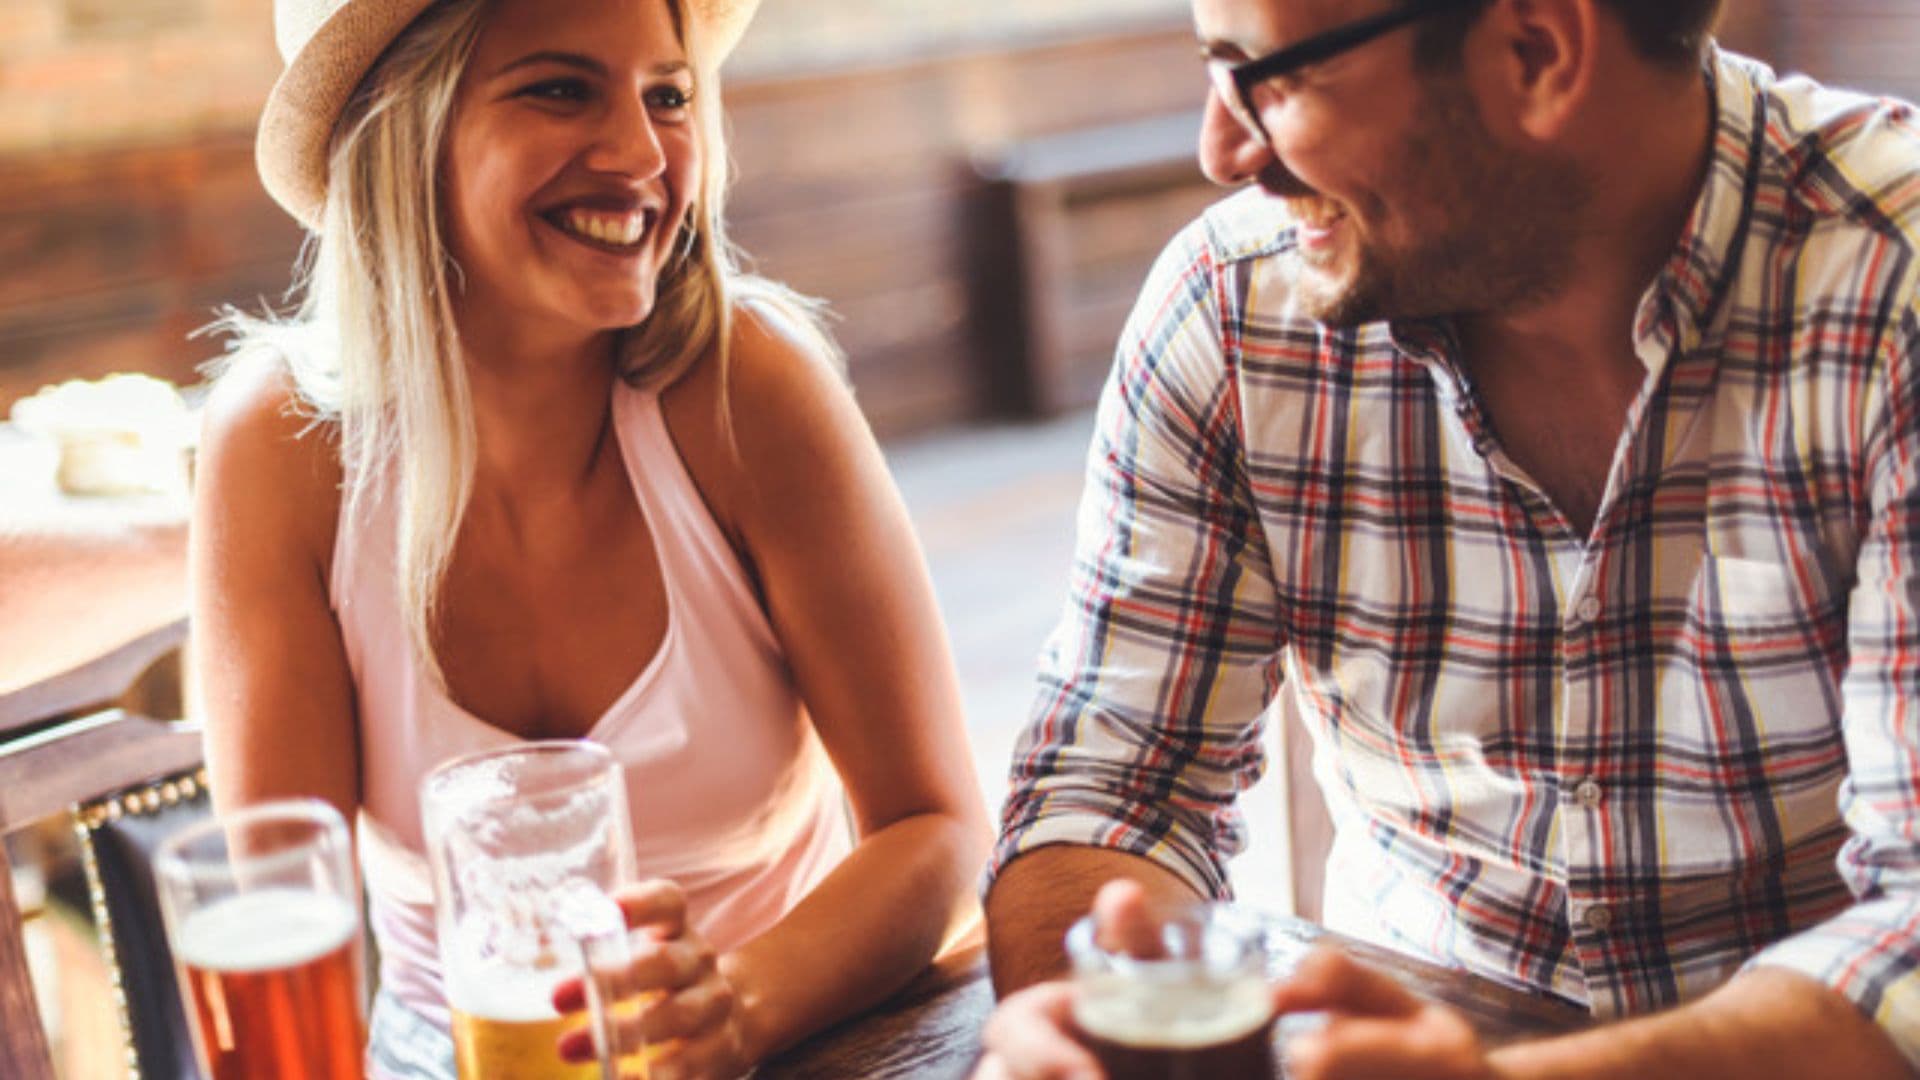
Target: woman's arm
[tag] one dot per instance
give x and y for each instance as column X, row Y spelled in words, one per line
column 270, row 673
column 812, row 505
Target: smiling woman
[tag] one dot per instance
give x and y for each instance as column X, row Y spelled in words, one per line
column 534, row 460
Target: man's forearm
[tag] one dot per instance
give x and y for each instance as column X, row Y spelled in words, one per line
column 1765, row 1023
column 1040, row 894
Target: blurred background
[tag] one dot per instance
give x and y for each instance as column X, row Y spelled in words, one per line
column 975, row 186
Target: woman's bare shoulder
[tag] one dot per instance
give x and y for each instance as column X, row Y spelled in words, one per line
column 762, row 414
column 265, row 454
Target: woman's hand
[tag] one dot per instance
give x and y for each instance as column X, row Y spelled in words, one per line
column 692, row 1022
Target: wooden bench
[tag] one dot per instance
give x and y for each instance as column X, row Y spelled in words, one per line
column 1081, row 216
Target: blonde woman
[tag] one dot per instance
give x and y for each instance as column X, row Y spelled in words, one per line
column 534, row 460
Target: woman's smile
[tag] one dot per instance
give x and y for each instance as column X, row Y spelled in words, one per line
column 616, row 232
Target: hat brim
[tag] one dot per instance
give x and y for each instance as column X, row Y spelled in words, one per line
column 296, row 126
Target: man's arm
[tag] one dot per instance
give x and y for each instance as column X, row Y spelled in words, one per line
column 1039, row 895
column 1763, row 1025
column 1147, row 722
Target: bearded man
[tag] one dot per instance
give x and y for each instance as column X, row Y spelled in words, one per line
column 1544, row 421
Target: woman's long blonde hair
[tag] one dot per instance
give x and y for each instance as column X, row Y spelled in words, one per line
column 373, row 348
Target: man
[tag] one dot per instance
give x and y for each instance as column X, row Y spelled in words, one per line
column 1545, row 422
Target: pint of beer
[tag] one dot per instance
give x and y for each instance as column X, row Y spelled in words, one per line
column 1195, row 1008
column 262, row 915
column 526, row 844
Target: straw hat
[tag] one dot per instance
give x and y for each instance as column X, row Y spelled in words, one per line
column 330, row 44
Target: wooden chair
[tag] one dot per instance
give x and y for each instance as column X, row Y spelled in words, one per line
column 83, row 745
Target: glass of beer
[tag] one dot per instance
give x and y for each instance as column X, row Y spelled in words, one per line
column 526, row 844
column 263, row 915
column 1195, row 1006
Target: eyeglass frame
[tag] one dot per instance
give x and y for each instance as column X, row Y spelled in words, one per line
column 1234, row 81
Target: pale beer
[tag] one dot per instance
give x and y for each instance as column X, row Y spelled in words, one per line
column 505, row 1028
column 526, row 844
column 272, row 984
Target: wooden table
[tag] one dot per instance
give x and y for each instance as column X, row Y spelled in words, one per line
column 931, row 1030
column 80, row 576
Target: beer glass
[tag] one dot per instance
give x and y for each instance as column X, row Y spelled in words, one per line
column 262, row 912
column 526, row 843
column 1197, row 1007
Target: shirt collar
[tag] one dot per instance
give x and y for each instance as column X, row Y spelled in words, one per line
column 1681, row 307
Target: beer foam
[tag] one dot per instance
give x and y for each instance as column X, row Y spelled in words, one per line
column 515, row 995
column 1172, row 1017
column 264, row 930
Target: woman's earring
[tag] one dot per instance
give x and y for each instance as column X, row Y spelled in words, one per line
column 686, row 242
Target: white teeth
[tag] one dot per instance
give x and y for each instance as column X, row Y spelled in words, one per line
column 619, row 230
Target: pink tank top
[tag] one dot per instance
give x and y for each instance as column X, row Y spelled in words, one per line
column 731, row 792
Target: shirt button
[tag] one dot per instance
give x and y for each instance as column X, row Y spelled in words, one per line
column 1588, row 793
column 1598, row 918
column 1588, row 609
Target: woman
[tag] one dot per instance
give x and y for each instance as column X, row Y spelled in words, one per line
column 533, row 460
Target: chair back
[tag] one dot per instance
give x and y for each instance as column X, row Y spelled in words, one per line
column 118, row 836
column 77, row 746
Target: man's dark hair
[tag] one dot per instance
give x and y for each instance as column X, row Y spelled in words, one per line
column 1670, row 32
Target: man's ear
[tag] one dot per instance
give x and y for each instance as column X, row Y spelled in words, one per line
column 1546, row 53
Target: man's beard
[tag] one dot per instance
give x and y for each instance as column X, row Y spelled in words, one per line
column 1502, row 239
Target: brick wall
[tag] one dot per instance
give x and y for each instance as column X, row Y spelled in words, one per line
column 801, row 35
column 856, row 185
column 90, row 73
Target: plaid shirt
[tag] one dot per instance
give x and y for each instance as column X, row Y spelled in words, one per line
column 1617, row 768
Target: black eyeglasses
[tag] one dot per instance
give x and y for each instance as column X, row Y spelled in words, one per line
column 1235, row 82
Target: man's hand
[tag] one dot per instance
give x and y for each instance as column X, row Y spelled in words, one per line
column 1031, row 1036
column 1375, row 1027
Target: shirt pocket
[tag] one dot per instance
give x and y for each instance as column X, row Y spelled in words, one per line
column 1763, row 643
column 1764, row 626
column 1755, row 596
column 1764, row 583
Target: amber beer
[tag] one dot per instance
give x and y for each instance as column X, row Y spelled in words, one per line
column 1186, row 1043
column 263, row 914
column 271, row 980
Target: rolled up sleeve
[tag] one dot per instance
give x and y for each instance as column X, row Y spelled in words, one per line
column 1147, row 722
column 1870, row 953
